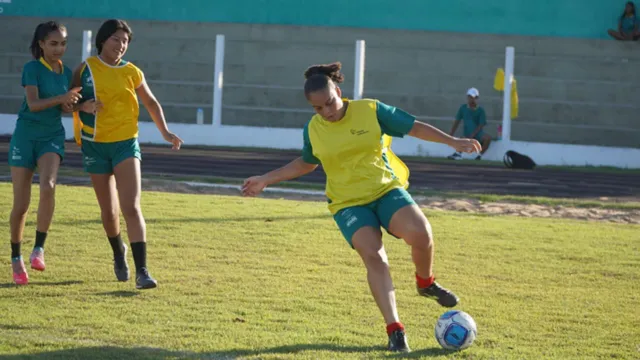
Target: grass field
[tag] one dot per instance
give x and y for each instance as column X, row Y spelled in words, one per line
column 273, row 279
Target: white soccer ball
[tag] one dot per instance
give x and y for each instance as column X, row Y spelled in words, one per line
column 456, row 330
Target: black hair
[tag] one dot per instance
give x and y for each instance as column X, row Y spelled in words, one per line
column 318, row 77
column 110, row 27
column 42, row 31
column 624, row 12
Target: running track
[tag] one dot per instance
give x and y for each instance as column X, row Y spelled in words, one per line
column 436, row 176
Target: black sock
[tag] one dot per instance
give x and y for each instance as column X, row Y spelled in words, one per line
column 15, row 250
column 40, row 238
column 117, row 245
column 139, row 250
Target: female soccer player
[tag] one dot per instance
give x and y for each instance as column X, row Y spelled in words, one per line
column 363, row 190
column 38, row 140
column 107, row 129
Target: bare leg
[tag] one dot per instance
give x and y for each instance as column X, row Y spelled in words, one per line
column 48, row 165
column 410, row 224
column 104, row 185
column 368, row 243
column 486, row 141
column 21, row 179
column 616, row 35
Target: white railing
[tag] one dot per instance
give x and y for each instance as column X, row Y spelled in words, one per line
column 220, row 134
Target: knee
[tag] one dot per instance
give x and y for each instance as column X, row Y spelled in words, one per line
column 373, row 260
column 110, row 215
column 420, row 236
column 131, row 210
column 20, row 208
column 47, row 187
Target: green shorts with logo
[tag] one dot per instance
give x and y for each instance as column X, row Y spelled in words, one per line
column 24, row 152
column 102, row 158
column 376, row 214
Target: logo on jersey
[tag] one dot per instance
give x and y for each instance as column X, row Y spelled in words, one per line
column 358, row 132
column 88, row 81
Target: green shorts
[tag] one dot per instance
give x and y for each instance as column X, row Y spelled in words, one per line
column 102, row 158
column 25, row 153
column 377, row 213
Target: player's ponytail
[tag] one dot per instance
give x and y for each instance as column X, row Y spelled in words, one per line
column 319, row 77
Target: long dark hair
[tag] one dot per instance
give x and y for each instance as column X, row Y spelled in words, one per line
column 624, row 12
column 109, row 28
column 42, row 31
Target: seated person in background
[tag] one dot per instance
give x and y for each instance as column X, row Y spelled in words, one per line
column 628, row 24
column 474, row 119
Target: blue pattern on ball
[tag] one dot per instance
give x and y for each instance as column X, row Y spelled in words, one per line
column 455, row 335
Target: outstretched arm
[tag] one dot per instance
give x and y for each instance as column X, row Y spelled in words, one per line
column 428, row 132
column 298, row 167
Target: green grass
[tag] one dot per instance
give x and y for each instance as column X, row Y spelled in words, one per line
column 273, row 279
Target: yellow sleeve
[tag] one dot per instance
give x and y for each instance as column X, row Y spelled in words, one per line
column 138, row 77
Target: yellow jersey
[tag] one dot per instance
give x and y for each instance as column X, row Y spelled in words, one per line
column 115, row 87
column 355, row 152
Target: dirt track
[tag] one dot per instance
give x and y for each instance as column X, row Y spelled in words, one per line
column 439, row 177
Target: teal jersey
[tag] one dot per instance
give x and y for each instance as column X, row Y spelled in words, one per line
column 87, row 92
column 628, row 24
column 45, row 124
column 471, row 118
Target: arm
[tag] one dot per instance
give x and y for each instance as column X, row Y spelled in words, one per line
column 153, row 106
column 298, row 167
column 396, row 122
column 157, row 115
column 292, row 170
column 431, row 133
column 456, row 123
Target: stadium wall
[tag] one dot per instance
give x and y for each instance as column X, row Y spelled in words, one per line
column 562, row 18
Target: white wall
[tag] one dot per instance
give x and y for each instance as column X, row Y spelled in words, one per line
column 245, row 136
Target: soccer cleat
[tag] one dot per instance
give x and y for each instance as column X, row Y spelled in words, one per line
column 37, row 259
column 144, row 280
column 455, row 156
column 444, row 297
column 479, row 157
column 120, row 266
column 20, row 276
column 398, row 342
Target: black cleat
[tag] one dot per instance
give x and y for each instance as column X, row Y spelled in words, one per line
column 398, row 342
column 144, row 280
column 120, row 266
column 443, row 296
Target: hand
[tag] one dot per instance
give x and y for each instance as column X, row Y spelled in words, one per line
column 67, row 108
column 253, row 186
column 173, row 139
column 72, row 96
column 466, row 145
column 91, row 106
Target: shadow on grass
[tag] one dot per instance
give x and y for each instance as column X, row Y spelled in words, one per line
column 112, row 352
column 40, row 283
column 208, row 220
column 120, row 293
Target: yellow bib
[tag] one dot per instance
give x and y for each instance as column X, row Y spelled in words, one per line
column 356, row 157
column 115, row 87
